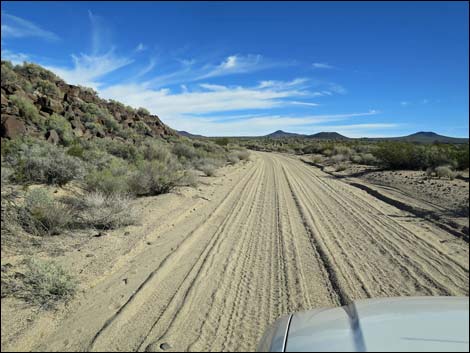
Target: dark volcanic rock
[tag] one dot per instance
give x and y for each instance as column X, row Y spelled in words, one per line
column 12, row 127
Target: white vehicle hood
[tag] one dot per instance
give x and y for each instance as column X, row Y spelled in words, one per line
column 391, row 324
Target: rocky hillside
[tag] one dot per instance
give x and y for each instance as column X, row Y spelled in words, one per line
column 35, row 102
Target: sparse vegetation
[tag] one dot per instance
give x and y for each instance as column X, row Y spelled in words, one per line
column 27, row 109
column 102, row 211
column 41, row 214
column 43, row 283
column 41, row 162
column 445, row 172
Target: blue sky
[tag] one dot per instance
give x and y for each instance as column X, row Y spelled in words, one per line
column 249, row 68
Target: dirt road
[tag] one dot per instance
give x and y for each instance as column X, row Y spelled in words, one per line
column 275, row 237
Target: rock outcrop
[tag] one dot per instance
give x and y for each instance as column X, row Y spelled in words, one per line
column 31, row 96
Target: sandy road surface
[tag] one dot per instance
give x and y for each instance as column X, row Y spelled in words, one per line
column 278, row 236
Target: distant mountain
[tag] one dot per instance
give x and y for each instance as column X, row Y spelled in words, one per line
column 188, row 134
column 424, row 137
column 282, row 134
column 319, row 135
column 430, row 137
column 328, row 136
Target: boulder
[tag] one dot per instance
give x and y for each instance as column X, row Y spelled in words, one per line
column 53, row 137
column 11, row 110
column 12, row 127
column 4, row 101
column 50, row 105
column 76, row 123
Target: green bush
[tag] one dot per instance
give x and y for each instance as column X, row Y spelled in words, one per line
column 34, row 72
column 103, row 211
column 41, row 214
column 46, row 284
column 184, row 151
column 445, row 172
column 401, row 155
column 111, row 180
column 48, row 88
column 27, row 109
column 155, row 177
column 62, row 127
column 155, row 150
column 9, row 77
column 143, row 111
column 44, row 163
column 223, row 141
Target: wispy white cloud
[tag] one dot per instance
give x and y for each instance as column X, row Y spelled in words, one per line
column 88, row 69
column 404, row 103
column 148, row 68
column 235, row 64
column 140, row 47
column 17, row 27
column 15, row 58
column 322, row 66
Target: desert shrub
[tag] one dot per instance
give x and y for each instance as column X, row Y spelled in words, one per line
column 46, row 284
column 184, row 151
column 368, row 158
column 48, row 88
column 207, row 167
column 121, row 149
column 34, row 72
column 76, row 150
column 338, row 158
column 110, row 180
column 445, row 172
column 155, row 177
column 340, row 167
column 103, row 211
column 232, row 158
column 356, row 158
column 141, row 127
column 9, row 76
column 62, row 126
column 95, row 128
column 401, row 155
column 110, row 122
column 342, row 150
column 45, row 163
column 430, row 172
column 93, row 112
column 327, row 153
column 155, row 150
column 223, row 141
column 41, row 214
column 143, row 111
column 462, row 158
column 316, row 159
column 6, row 173
column 242, row 155
column 27, row 109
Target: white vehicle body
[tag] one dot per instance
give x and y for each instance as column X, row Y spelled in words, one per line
column 390, row 324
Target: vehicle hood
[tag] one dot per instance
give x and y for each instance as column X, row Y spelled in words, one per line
column 391, row 324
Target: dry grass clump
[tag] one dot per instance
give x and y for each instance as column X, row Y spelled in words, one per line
column 40, row 214
column 445, row 172
column 43, row 283
column 102, row 211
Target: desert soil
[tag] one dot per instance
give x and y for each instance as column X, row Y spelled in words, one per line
column 210, row 268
